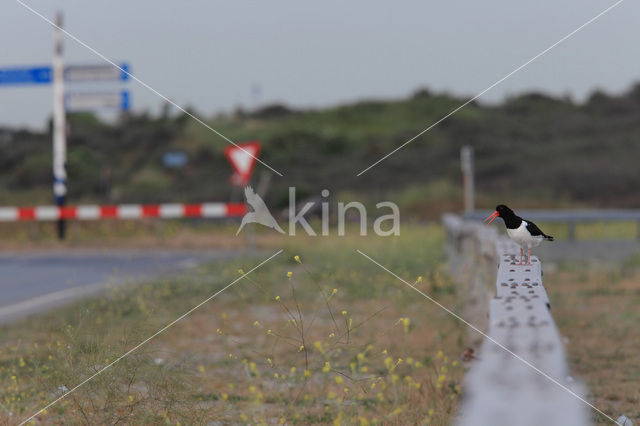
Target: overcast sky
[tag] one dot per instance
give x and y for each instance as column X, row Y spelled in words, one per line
column 209, row 54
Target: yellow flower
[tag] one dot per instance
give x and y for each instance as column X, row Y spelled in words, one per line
column 338, row 379
column 277, row 298
column 297, row 258
column 301, row 348
column 225, row 397
column 396, row 411
column 307, row 373
column 439, row 355
column 388, row 362
column 430, row 413
column 454, row 363
column 364, row 369
column 360, row 356
column 201, row 368
column 420, row 279
column 240, row 271
column 335, row 290
column 405, row 324
column 289, row 274
column 327, row 367
column 344, row 312
column 292, row 371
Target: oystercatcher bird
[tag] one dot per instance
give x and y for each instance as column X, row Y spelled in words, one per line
column 523, row 232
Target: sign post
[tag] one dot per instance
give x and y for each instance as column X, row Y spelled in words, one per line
column 243, row 159
column 59, row 126
column 56, row 75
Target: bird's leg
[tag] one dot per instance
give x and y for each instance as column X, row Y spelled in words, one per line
column 521, row 254
column 528, row 256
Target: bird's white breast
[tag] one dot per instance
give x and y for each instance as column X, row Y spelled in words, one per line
column 522, row 236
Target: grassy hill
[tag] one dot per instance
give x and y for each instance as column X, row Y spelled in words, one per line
column 532, row 150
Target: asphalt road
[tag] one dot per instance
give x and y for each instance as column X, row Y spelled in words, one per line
column 35, row 282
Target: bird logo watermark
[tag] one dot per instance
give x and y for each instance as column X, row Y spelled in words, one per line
column 384, row 225
column 260, row 213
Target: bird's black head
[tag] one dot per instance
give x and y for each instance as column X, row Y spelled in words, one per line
column 504, row 211
column 509, row 217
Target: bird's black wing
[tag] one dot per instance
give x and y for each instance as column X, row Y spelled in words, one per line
column 535, row 231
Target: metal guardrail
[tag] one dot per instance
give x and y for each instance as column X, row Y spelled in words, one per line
column 500, row 388
column 571, row 217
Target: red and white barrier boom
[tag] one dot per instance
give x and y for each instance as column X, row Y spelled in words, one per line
column 123, row 211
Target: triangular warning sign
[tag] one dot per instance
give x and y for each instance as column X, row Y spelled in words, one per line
column 243, row 159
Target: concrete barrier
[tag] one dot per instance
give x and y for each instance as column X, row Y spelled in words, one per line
column 521, row 376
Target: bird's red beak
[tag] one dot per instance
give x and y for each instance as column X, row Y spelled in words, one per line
column 492, row 216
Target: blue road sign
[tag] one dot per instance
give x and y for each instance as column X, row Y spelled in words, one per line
column 72, row 73
column 100, row 72
column 125, row 100
column 174, row 159
column 96, row 101
column 33, row 75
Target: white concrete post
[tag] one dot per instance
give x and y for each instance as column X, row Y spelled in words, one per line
column 59, row 124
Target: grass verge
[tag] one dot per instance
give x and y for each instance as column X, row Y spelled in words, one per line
column 327, row 338
column 596, row 309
